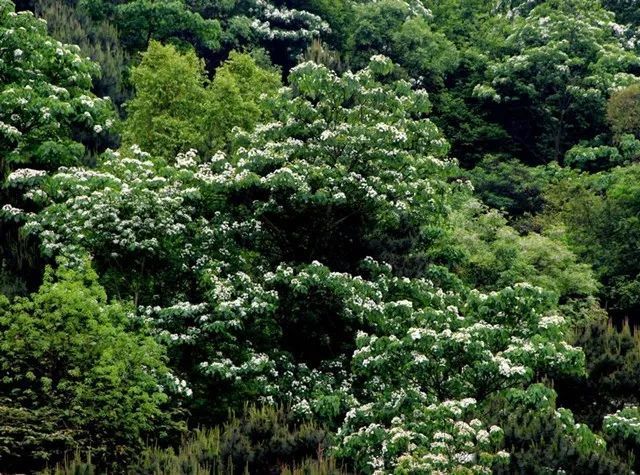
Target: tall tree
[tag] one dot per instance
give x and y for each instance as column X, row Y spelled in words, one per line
column 238, row 97
column 165, row 116
column 47, row 115
column 552, row 86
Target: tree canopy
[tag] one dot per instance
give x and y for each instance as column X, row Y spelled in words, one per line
column 320, row 237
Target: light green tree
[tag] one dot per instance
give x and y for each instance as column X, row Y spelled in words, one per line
column 165, row 116
column 238, row 97
column 176, row 108
column 73, row 377
column 623, row 111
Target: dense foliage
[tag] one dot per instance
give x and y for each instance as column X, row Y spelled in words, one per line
column 73, row 374
column 319, row 237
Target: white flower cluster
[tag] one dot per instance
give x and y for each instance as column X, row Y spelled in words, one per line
column 9, row 130
column 257, row 366
column 179, row 386
column 624, row 425
column 25, row 174
column 551, row 321
column 187, row 159
column 12, row 210
column 281, row 23
column 452, row 440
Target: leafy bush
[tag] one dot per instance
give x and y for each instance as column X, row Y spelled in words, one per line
column 508, row 185
column 73, row 377
column 599, row 214
column 260, row 441
column 593, row 158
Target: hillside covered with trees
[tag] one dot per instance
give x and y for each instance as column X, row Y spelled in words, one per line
column 319, row 237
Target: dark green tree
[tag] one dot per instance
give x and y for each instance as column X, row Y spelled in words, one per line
column 562, row 60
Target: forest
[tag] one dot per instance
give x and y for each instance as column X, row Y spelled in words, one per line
column 319, row 237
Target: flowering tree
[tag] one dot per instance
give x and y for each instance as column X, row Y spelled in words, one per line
column 349, row 165
column 46, row 103
column 564, row 59
column 622, row 430
column 404, row 31
column 47, row 115
column 283, row 28
column 252, row 268
column 137, row 222
column 272, row 22
column 433, row 360
column 281, row 231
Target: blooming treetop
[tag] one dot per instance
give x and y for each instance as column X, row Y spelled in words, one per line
column 269, row 306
